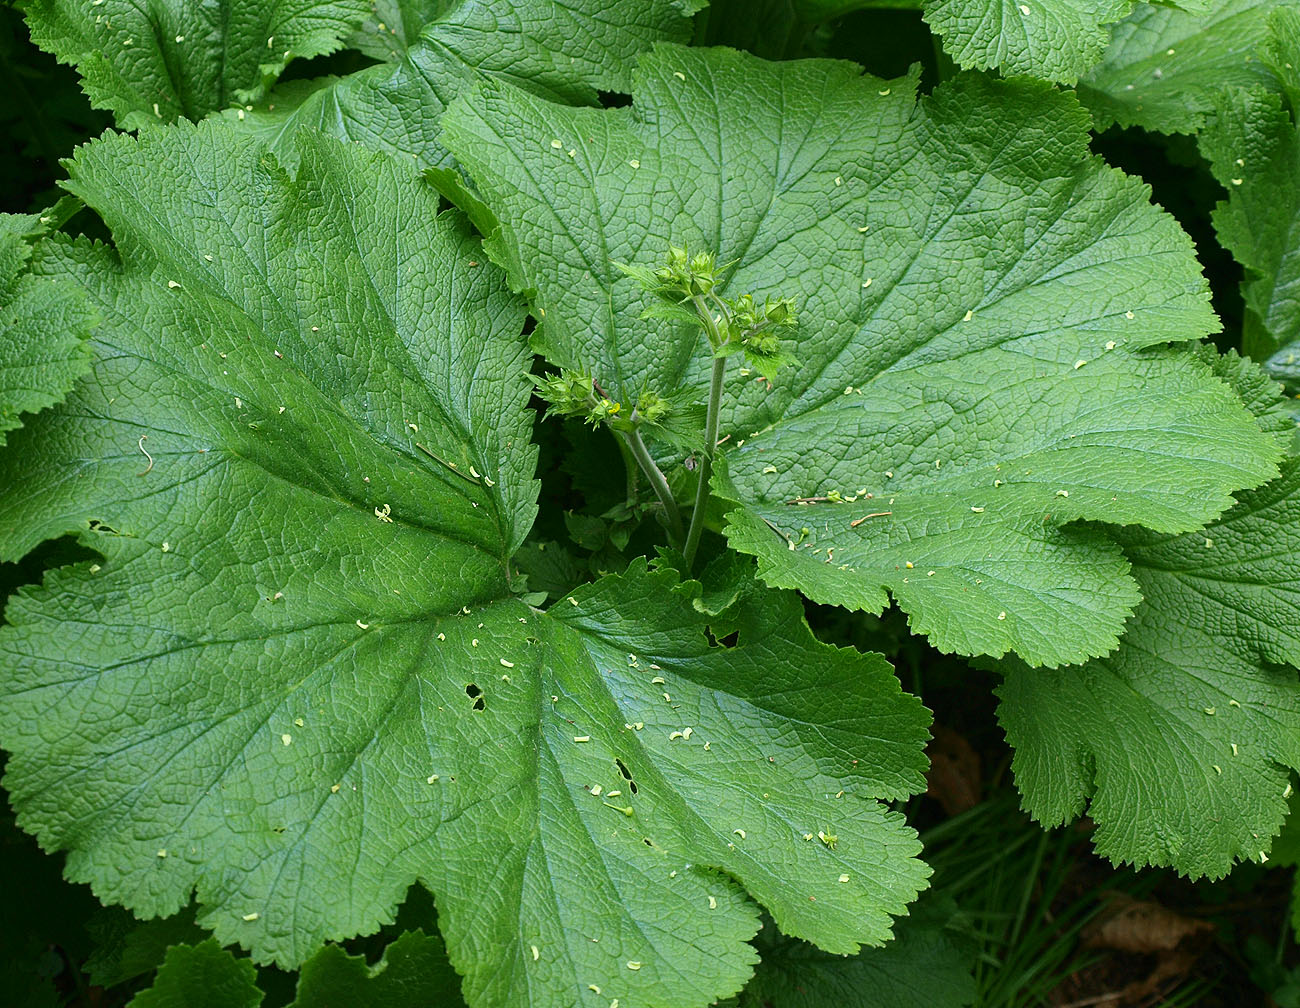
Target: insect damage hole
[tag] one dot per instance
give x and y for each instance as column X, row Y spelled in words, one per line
column 627, row 774
column 474, row 693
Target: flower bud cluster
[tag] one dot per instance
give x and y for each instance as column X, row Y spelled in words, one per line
column 576, row 394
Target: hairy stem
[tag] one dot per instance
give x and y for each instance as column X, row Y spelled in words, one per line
column 630, row 466
column 706, row 463
column 716, row 341
column 656, row 477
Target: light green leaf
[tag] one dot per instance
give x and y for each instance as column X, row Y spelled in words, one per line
column 980, row 307
column 298, row 681
column 1055, row 39
column 151, row 63
column 394, row 26
column 563, row 50
column 1181, row 744
column 1165, row 69
column 414, row 973
column 201, row 976
column 1282, row 49
column 43, row 327
column 1253, row 148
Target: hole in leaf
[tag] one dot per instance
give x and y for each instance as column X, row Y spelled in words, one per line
column 627, row 774
column 474, row 693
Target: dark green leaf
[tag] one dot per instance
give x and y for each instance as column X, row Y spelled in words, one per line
column 202, row 976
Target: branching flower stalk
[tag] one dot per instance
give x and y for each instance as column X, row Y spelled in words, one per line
column 574, row 393
column 657, row 481
column 686, row 289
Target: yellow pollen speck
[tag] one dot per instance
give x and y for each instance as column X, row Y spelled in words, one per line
column 286, row 739
column 536, row 952
column 977, row 510
column 334, row 788
column 970, row 314
column 1110, row 344
column 582, row 738
column 739, row 832
column 866, row 283
column 556, row 144
column 844, row 878
column 1024, row 9
column 1236, row 181
column 1128, row 314
column 713, row 903
column 507, row 664
column 163, row 852
column 474, row 642
column 1079, row 363
column 593, row 987
column 1002, row 615
column 838, row 180
column 299, row 722
column 633, row 965
column 166, row 547
column 251, row 917
column 884, row 93
column 172, row 284
column 363, row 626
column 635, row 163
column 909, row 565
column 679, row 75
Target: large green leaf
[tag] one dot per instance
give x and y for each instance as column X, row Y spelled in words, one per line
column 563, row 50
column 1056, row 39
column 296, row 681
column 42, row 328
column 1181, row 744
column 156, row 61
column 981, row 306
column 1253, row 148
column 1165, row 69
column 394, row 26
